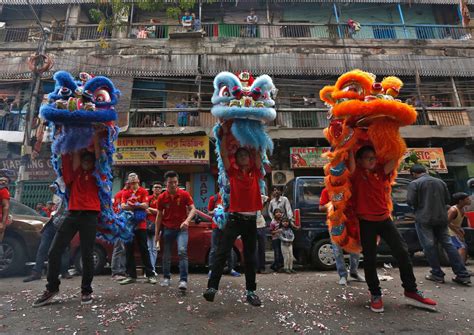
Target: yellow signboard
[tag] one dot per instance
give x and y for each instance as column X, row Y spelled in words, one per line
column 169, row 150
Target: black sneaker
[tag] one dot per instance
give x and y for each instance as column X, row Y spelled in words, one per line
column 45, row 298
column 253, row 299
column 66, row 275
column 434, row 278
column 32, row 277
column 466, row 281
column 210, row 294
column 86, row 299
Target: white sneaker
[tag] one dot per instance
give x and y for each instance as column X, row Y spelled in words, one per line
column 343, row 281
column 165, row 282
column 183, row 285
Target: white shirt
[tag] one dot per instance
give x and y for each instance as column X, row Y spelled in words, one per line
column 282, row 203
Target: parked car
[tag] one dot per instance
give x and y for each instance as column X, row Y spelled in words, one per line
column 199, row 246
column 22, row 238
column 312, row 242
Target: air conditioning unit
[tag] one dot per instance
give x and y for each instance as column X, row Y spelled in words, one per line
column 281, row 177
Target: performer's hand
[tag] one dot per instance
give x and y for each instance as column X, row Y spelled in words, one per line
column 184, row 225
column 157, row 246
column 226, row 127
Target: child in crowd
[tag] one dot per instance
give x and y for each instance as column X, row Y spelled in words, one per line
column 286, row 237
column 456, row 217
column 276, row 243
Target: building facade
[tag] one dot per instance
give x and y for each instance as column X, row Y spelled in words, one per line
column 166, row 77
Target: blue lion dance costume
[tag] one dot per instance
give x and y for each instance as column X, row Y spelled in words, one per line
column 75, row 109
column 247, row 103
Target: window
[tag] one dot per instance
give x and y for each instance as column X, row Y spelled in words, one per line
column 310, row 190
column 399, row 193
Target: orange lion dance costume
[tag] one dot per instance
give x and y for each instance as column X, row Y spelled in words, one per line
column 363, row 112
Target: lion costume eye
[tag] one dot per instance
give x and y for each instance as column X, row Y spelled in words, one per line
column 353, row 87
column 224, row 91
column 102, row 95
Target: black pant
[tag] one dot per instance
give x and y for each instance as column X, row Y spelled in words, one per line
column 261, row 236
column 277, row 255
column 386, row 230
column 84, row 222
column 141, row 238
column 246, row 227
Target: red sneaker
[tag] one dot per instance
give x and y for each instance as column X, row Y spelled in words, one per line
column 418, row 299
column 376, row 304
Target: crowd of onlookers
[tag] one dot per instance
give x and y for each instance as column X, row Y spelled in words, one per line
column 422, row 101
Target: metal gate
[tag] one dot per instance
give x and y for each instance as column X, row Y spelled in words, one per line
column 34, row 192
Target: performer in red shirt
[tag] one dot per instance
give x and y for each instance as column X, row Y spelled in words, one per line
column 135, row 199
column 152, row 211
column 4, row 205
column 82, row 217
column 245, row 201
column 175, row 212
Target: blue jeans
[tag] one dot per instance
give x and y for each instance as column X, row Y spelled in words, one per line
column 181, row 236
column 430, row 236
column 118, row 263
column 341, row 264
column 47, row 237
column 182, row 119
column 216, row 237
column 277, row 255
column 150, row 239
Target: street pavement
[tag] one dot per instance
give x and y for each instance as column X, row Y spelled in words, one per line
column 308, row 302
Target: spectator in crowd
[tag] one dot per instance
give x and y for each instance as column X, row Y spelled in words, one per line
column 4, row 205
column 261, row 237
column 47, row 235
column 193, row 116
column 41, row 209
column 410, row 101
column 82, row 216
column 420, row 101
column 142, row 32
column 175, row 212
column 370, row 193
column 196, row 23
column 286, row 237
column 118, row 262
column 456, row 216
column 245, row 201
column 353, row 26
column 324, row 203
column 429, row 197
column 281, row 202
column 434, row 102
column 152, row 211
column 187, row 21
column 275, row 230
column 252, row 20
column 216, row 238
column 182, row 116
column 151, row 30
column 135, row 199
column 49, row 208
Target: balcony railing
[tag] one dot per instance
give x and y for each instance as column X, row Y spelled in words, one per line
column 226, row 30
column 286, row 117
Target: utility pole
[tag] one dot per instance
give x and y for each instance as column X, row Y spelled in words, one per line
column 26, row 148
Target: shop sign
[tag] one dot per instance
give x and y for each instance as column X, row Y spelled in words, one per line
column 203, row 189
column 432, row 158
column 39, row 169
column 169, row 150
column 308, row 157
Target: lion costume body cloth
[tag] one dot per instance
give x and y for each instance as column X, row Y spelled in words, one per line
column 362, row 112
column 245, row 103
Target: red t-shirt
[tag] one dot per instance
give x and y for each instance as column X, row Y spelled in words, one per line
column 370, row 193
column 324, row 197
column 117, row 201
column 213, row 203
column 83, row 189
column 4, row 195
column 245, row 193
column 132, row 197
column 174, row 208
column 152, row 203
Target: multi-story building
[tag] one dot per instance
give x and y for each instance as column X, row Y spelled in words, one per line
column 304, row 45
